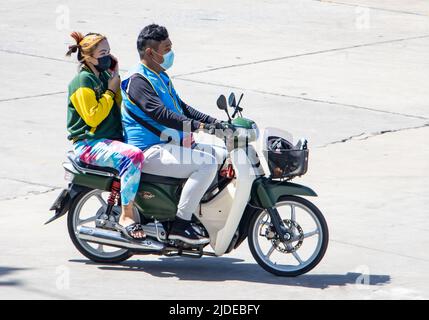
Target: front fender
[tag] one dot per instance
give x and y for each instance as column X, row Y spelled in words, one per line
column 266, row 192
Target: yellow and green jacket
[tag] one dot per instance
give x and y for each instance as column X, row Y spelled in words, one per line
column 93, row 111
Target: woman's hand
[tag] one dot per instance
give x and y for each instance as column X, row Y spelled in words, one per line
column 114, row 82
column 116, row 67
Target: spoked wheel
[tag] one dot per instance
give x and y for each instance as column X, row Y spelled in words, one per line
column 86, row 208
column 308, row 238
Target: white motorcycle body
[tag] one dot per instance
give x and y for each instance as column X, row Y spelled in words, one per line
column 221, row 216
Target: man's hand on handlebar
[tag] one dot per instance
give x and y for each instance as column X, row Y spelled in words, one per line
column 212, row 127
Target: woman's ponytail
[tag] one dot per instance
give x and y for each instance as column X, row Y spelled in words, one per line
column 78, row 37
column 84, row 44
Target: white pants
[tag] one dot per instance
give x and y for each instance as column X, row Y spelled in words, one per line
column 198, row 165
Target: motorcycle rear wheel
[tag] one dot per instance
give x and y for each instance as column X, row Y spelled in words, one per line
column 92, row 251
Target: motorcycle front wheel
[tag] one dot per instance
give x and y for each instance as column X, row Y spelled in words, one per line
column 306, row 246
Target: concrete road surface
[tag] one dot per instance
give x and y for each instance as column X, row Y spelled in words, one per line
column 350, row 75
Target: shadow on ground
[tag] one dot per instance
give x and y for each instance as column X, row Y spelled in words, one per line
column 224, row 269
column 6, row 271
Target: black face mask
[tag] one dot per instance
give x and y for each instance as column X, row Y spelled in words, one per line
column 103, row 63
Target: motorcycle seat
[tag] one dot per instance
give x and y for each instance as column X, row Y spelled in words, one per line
column 89, row 168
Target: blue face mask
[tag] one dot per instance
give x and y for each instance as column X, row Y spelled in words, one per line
column 168, row 59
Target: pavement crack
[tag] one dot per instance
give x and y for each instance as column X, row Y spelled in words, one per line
column 372, row 8
column 29, row 193
column 33, row 96
column 44, row 57
column 343, row 140
column 305, row 98
column 365, row 136
column 301, row 55
column 380, row 250
column 30, row 182
column 35, row 55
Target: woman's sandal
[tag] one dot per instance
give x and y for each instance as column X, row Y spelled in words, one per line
column 128, row 231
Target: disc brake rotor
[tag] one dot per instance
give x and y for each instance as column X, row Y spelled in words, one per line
column 297, row 237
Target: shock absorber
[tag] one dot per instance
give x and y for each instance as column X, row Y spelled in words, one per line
column 113, row 197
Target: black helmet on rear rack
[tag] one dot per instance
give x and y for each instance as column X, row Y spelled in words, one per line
column 285, row 160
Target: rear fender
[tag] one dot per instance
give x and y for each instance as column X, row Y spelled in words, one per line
column 64, row 200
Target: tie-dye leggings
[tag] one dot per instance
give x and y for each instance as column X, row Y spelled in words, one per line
column 125, row 158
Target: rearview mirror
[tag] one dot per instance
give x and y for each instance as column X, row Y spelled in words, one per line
column 221, row 102
column 231, row 100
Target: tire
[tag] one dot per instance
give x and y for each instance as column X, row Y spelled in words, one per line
column 120, row 257
column 323, row 242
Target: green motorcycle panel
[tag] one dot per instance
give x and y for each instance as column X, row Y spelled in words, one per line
column 158, row 201
column 92, row 181
column 266, row 192
column 154, row 200
column 243, row 122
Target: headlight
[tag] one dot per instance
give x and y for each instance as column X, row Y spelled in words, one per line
column 250, row 134
column 241, row 133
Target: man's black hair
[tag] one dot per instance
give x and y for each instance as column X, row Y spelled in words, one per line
column 149, row 36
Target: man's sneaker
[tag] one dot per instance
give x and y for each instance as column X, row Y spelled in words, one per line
column 182, row 230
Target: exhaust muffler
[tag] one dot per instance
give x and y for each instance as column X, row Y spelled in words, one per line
column 116, row 239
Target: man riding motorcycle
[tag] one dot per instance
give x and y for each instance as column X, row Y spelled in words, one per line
column 152, row 108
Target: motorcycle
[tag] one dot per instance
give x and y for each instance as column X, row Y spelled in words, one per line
column 287, row 234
